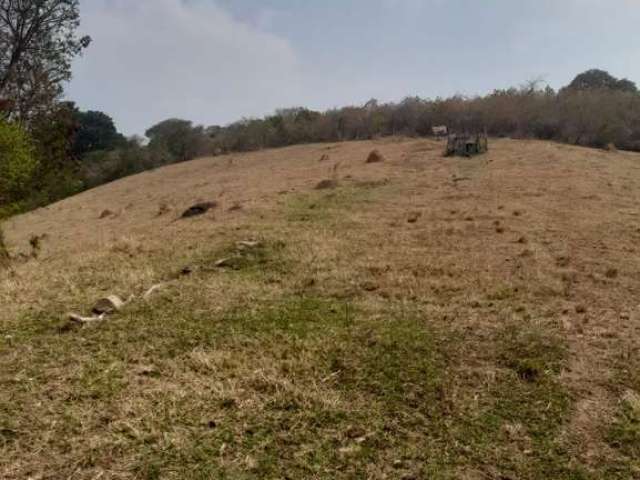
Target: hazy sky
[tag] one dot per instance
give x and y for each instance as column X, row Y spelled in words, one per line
column 216, row 61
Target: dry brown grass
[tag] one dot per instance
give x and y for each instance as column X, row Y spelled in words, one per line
column 356, row 343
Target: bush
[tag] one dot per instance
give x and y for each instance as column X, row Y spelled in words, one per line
column 18, row 163
column 106, row 166
column 4, row 253
column 178, row 138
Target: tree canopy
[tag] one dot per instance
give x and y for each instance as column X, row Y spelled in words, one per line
column 17, row 161
column 38, row 41
column 96, row 131
column 177, row 137
column 595, row 78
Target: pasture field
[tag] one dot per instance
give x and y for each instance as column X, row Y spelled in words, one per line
column 418, row 318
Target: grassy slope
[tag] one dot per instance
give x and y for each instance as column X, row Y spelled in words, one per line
column 494, row 337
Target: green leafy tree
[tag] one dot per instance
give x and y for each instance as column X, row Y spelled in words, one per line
column 38, row 42
column 58, row 175
column 600, row 79
column 18, row 163
column 95, row 131
column 178, row 137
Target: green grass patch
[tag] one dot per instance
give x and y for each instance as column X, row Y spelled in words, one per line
column 502, row 293
column 535, row 354
column 298, row 316
column 513, row 426
column 298, row 387
column 625, row 432
column 265, row 258
column 322, row 206
column 341, row 396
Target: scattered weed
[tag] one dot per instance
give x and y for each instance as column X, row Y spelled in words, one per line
column 321, row 206
column 503, row 292
column 517, row 423
column 531, row 352
column 625, row 432
column 264, row 257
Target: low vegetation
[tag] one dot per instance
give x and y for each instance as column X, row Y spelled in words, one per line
column 625, row 432
column 17, row 162
column 294, row 386
column 4, row 253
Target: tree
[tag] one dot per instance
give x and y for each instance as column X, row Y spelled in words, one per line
column 178, row 137
column 53, row 134
column 96, row 131
column 600, row 79
column 627, row 85
column 102, row 166
column 38, row 41
column 18, row 163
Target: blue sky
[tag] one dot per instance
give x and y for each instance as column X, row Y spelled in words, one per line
column 216, row 61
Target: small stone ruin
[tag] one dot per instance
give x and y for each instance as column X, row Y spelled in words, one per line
column 467, row 145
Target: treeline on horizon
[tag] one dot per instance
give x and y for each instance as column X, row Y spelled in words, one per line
column 595, row 110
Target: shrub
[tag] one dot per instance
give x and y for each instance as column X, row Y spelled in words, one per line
column 4, row 253
column 101, row 167
column 18, row 163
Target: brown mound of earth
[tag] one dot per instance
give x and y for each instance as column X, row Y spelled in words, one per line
column 375, row 157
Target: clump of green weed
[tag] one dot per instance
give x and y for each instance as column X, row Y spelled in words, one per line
column 503, row 292
column 309, row 208
column 625, row 433
column 299, row 316
column 321, row 206
column 261, row 257
column 526, row 405
column 395, row 363
column 531, row 352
